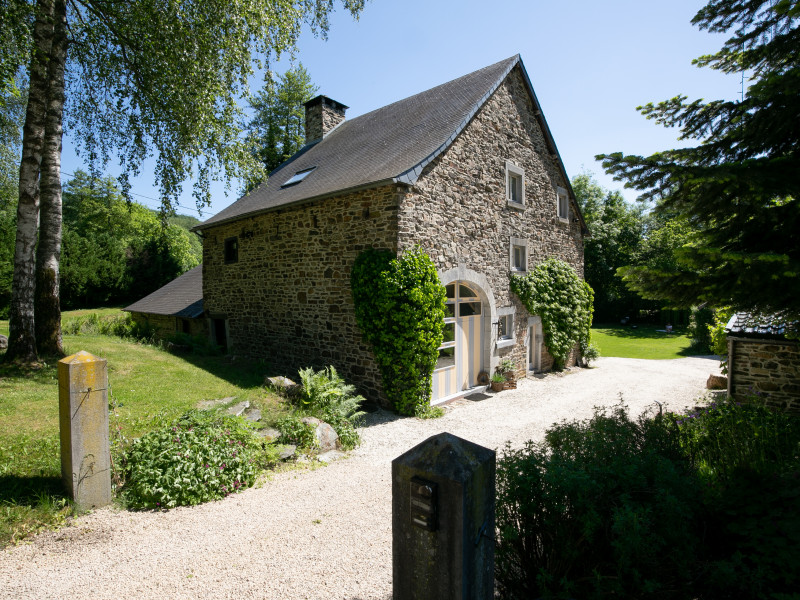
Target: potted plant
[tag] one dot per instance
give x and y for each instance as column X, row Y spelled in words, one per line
column 506, row 369
column 498, row 382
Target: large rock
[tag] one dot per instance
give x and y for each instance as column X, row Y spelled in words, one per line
column 717, row 382
column 283, row 385
column 3, row 342
column 326, row 436
column 269, row 434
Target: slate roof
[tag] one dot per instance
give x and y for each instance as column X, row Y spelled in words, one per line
column 388, row 145
column 771, row 326
column 182, row 297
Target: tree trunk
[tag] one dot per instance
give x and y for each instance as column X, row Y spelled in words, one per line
column 22, row 334
column 48, row 253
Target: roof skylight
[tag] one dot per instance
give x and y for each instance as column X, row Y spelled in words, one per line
column 297, row 177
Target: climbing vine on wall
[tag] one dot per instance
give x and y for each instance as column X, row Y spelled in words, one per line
column 563, row 300
column 399, row 306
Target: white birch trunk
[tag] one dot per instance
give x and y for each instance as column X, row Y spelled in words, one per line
column 48, row 253
column 22, row 330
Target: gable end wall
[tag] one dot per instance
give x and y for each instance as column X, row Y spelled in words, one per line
column 458, row 211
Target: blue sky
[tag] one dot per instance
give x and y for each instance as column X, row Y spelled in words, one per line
column 591, row 64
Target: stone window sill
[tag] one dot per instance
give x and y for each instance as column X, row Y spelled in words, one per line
column 506, row 343
column 515, row 205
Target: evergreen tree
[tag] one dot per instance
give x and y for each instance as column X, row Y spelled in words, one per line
column 740, row 185
column 277, row 130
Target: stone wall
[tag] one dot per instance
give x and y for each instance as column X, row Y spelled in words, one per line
column 166, row 326
column 287, row 300
column 459, row 214
column 767, row 367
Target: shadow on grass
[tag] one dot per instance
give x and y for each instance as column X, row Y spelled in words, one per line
column 30, row 490
column 237, row 371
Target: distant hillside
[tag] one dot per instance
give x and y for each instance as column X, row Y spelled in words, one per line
column 187, row 222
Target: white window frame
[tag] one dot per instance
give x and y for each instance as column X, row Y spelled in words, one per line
column 515, row 172
column 562, row 204
column 509, row 339
column 518, row 243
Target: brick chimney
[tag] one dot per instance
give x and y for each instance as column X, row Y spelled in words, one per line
column 322, row 115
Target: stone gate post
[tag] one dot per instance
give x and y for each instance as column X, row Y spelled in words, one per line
column 83, row 420
column 443, row 499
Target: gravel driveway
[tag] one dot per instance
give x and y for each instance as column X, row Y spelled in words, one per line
column 321, row 533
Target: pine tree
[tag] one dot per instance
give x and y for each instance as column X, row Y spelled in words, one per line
column 740, row 185
column 277, row 130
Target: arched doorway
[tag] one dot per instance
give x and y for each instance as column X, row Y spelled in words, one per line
column 462, row 353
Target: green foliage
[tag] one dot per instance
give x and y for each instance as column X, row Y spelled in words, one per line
column 554, row 291
column 728, row 437
column 739, row 186
column 123, row 326
column 429, row 412
column 618, row 231
column 748, row 457
column 167, row 81
column 328, row 397
column 700, row 322
column 294, row 431
column 399, row 306
column 197, row 458
column 277, row 130
column 719, row 339
column 114, row 251
column 602, row 508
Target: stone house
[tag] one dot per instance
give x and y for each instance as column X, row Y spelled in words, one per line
column 763, row 360
column 467, row 170
column 174, row 308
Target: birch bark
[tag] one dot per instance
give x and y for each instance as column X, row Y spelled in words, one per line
column 22, row 330
column 48, row 253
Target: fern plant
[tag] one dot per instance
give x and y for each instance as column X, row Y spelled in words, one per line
column 327, row 396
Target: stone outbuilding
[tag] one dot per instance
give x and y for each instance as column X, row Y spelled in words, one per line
column 763, row 360
column 467, row 170
column 174, row 308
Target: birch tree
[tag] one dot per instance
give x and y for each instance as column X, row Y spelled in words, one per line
column 158, row 79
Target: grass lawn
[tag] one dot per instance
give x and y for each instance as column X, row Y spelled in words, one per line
column 646, row 341
column 149, row 387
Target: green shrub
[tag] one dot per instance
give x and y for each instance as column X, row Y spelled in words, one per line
column 700, row 321
column 197, row 458
column 748, row 456
column 602, row 508
column 294, row 431
column 328, row 397
column 123, row 326
column 563, row 300
column 399, row 305
column 719, row 339
column 728, row 437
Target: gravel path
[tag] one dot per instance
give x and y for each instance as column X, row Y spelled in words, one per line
column 320, row 533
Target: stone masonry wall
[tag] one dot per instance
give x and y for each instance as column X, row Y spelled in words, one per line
column 166, row 326
column 769, row 368
column 458, row 211
column 287, row 299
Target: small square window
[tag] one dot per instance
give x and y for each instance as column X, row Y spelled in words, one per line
column 563, row 204
column 519, row 255
column 505, row 327
column 515, row 185
column 231, row 250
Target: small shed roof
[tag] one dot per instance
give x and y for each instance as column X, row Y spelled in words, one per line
column 181, row 297
column 392, row 144
column 759, row 326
